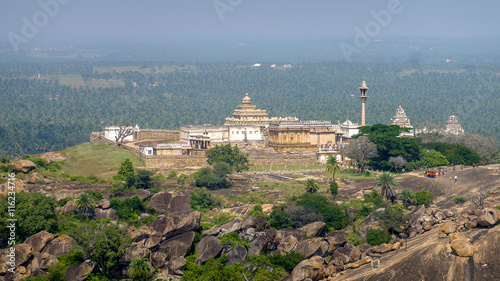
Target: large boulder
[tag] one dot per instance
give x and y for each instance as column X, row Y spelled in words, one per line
column 47, row 260
column 265, row 241
column 309, row 269
column 143, row 194
column 178, row 245
column 21, row 253
column 134, row 253
column 345, row 254
column 312, row 247
column 229, row 227
column 417, row 213
column 314, row 229
column 81, row 271
column 288, row 244
column 362, row 230
column 4, row 187
column 23, row 166
column 33, row 177
column 152, row 242
column 140, row 234
column 104, row 204
column 455, row 236
column 236, row 255
column 176, row 265
column 39, row 240
column 282, row 233
column 175, row 224
column 208, row 248
column 157, row 259
column 250, row 221
column 448, row 227
column 488, row 217
column 160, row 201
column 68, row 208
column 462, row 248
column 61, row 245
column 100, row 214
column 179, row 204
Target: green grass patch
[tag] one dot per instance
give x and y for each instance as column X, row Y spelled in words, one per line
column 96, row 159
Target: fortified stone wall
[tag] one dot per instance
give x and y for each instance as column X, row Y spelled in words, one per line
column 180, row 161
column 151, row 134
column 282, row 159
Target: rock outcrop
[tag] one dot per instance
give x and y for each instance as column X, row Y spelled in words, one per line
column 208, row 248
column 23, row 166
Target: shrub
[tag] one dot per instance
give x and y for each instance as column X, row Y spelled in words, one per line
column 355, row 238
column 460, row 199
column 374, row 198
column 300, row 216
column 206, row 177
column 334, row 189
column 398, row 207
column 182, row 179
column 364, row 211
column 34, row 212
column 279, row 218
column 257, row 211
column 376, row 237
column 392, row 220
column 411, row 166
column 334, row 216
column 202, row 200
column 128, row 208
column 172, row 174
column 140, row 270
column 423, row 197
column 126, row 168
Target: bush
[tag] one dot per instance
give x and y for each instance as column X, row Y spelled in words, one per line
column 423, row 197
column 392, row 220
column 334, row 189
column 65, row 200
column 397, row 207
column 300, row 215
column 279, row 218
column 128, row 208
column 140, row 270
column 364, row 211
column 206, row 177
column 182, row 179
column 334, row 216
column 202, row 200
column 34, row 212
column 376, row 237
column 374, row 198
column 257, row 211
column 172, row 174
column 411, row 166
column 355, row 238
column 460, row 199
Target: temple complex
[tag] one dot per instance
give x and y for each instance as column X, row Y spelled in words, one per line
column 453, row 127
column 400, row 119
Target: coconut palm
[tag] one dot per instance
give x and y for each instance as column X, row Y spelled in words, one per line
column 332, row 166
column 85, row 204
column 406, row 196
column 311, row 186
column 387, row 182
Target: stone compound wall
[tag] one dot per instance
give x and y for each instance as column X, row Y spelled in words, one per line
column 282, row 159
column 169, row 161
column 151, row 134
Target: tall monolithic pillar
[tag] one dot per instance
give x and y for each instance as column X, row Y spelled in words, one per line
column 363, row 88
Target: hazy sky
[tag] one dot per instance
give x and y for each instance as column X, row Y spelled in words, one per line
column 134, row 20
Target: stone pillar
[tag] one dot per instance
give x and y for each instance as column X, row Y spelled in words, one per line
column 363, row 118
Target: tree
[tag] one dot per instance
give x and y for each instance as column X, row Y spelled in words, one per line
column 360, row 150
column 207, row 177
column 334, row 189
column 140, row 269
column 387, row 182
column 202, row 200
column 389, row 144
column 398, row 162
column 229, row 154
column 85, row 204
column 34, row 212
column 105, row 244
column 311, row 185
column 392, row 220
column 332, row 166
column 407, row 197
column 126, row 168
column 123, row 132
column 423, row 197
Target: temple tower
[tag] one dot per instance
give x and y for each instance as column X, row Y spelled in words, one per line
column 363, row 88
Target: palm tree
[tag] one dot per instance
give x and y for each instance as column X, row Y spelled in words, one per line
column 311, row 186
column 332, row 166
column 140, row 269
column 387, row 182
column 85, row 204
column 406, row 196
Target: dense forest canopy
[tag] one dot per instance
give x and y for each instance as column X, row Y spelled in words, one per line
column 40, row 113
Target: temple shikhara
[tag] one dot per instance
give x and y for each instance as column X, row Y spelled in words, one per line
column 400, row 119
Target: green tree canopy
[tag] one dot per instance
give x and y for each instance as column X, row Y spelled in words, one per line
column 229, row 154
column 387, row 182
